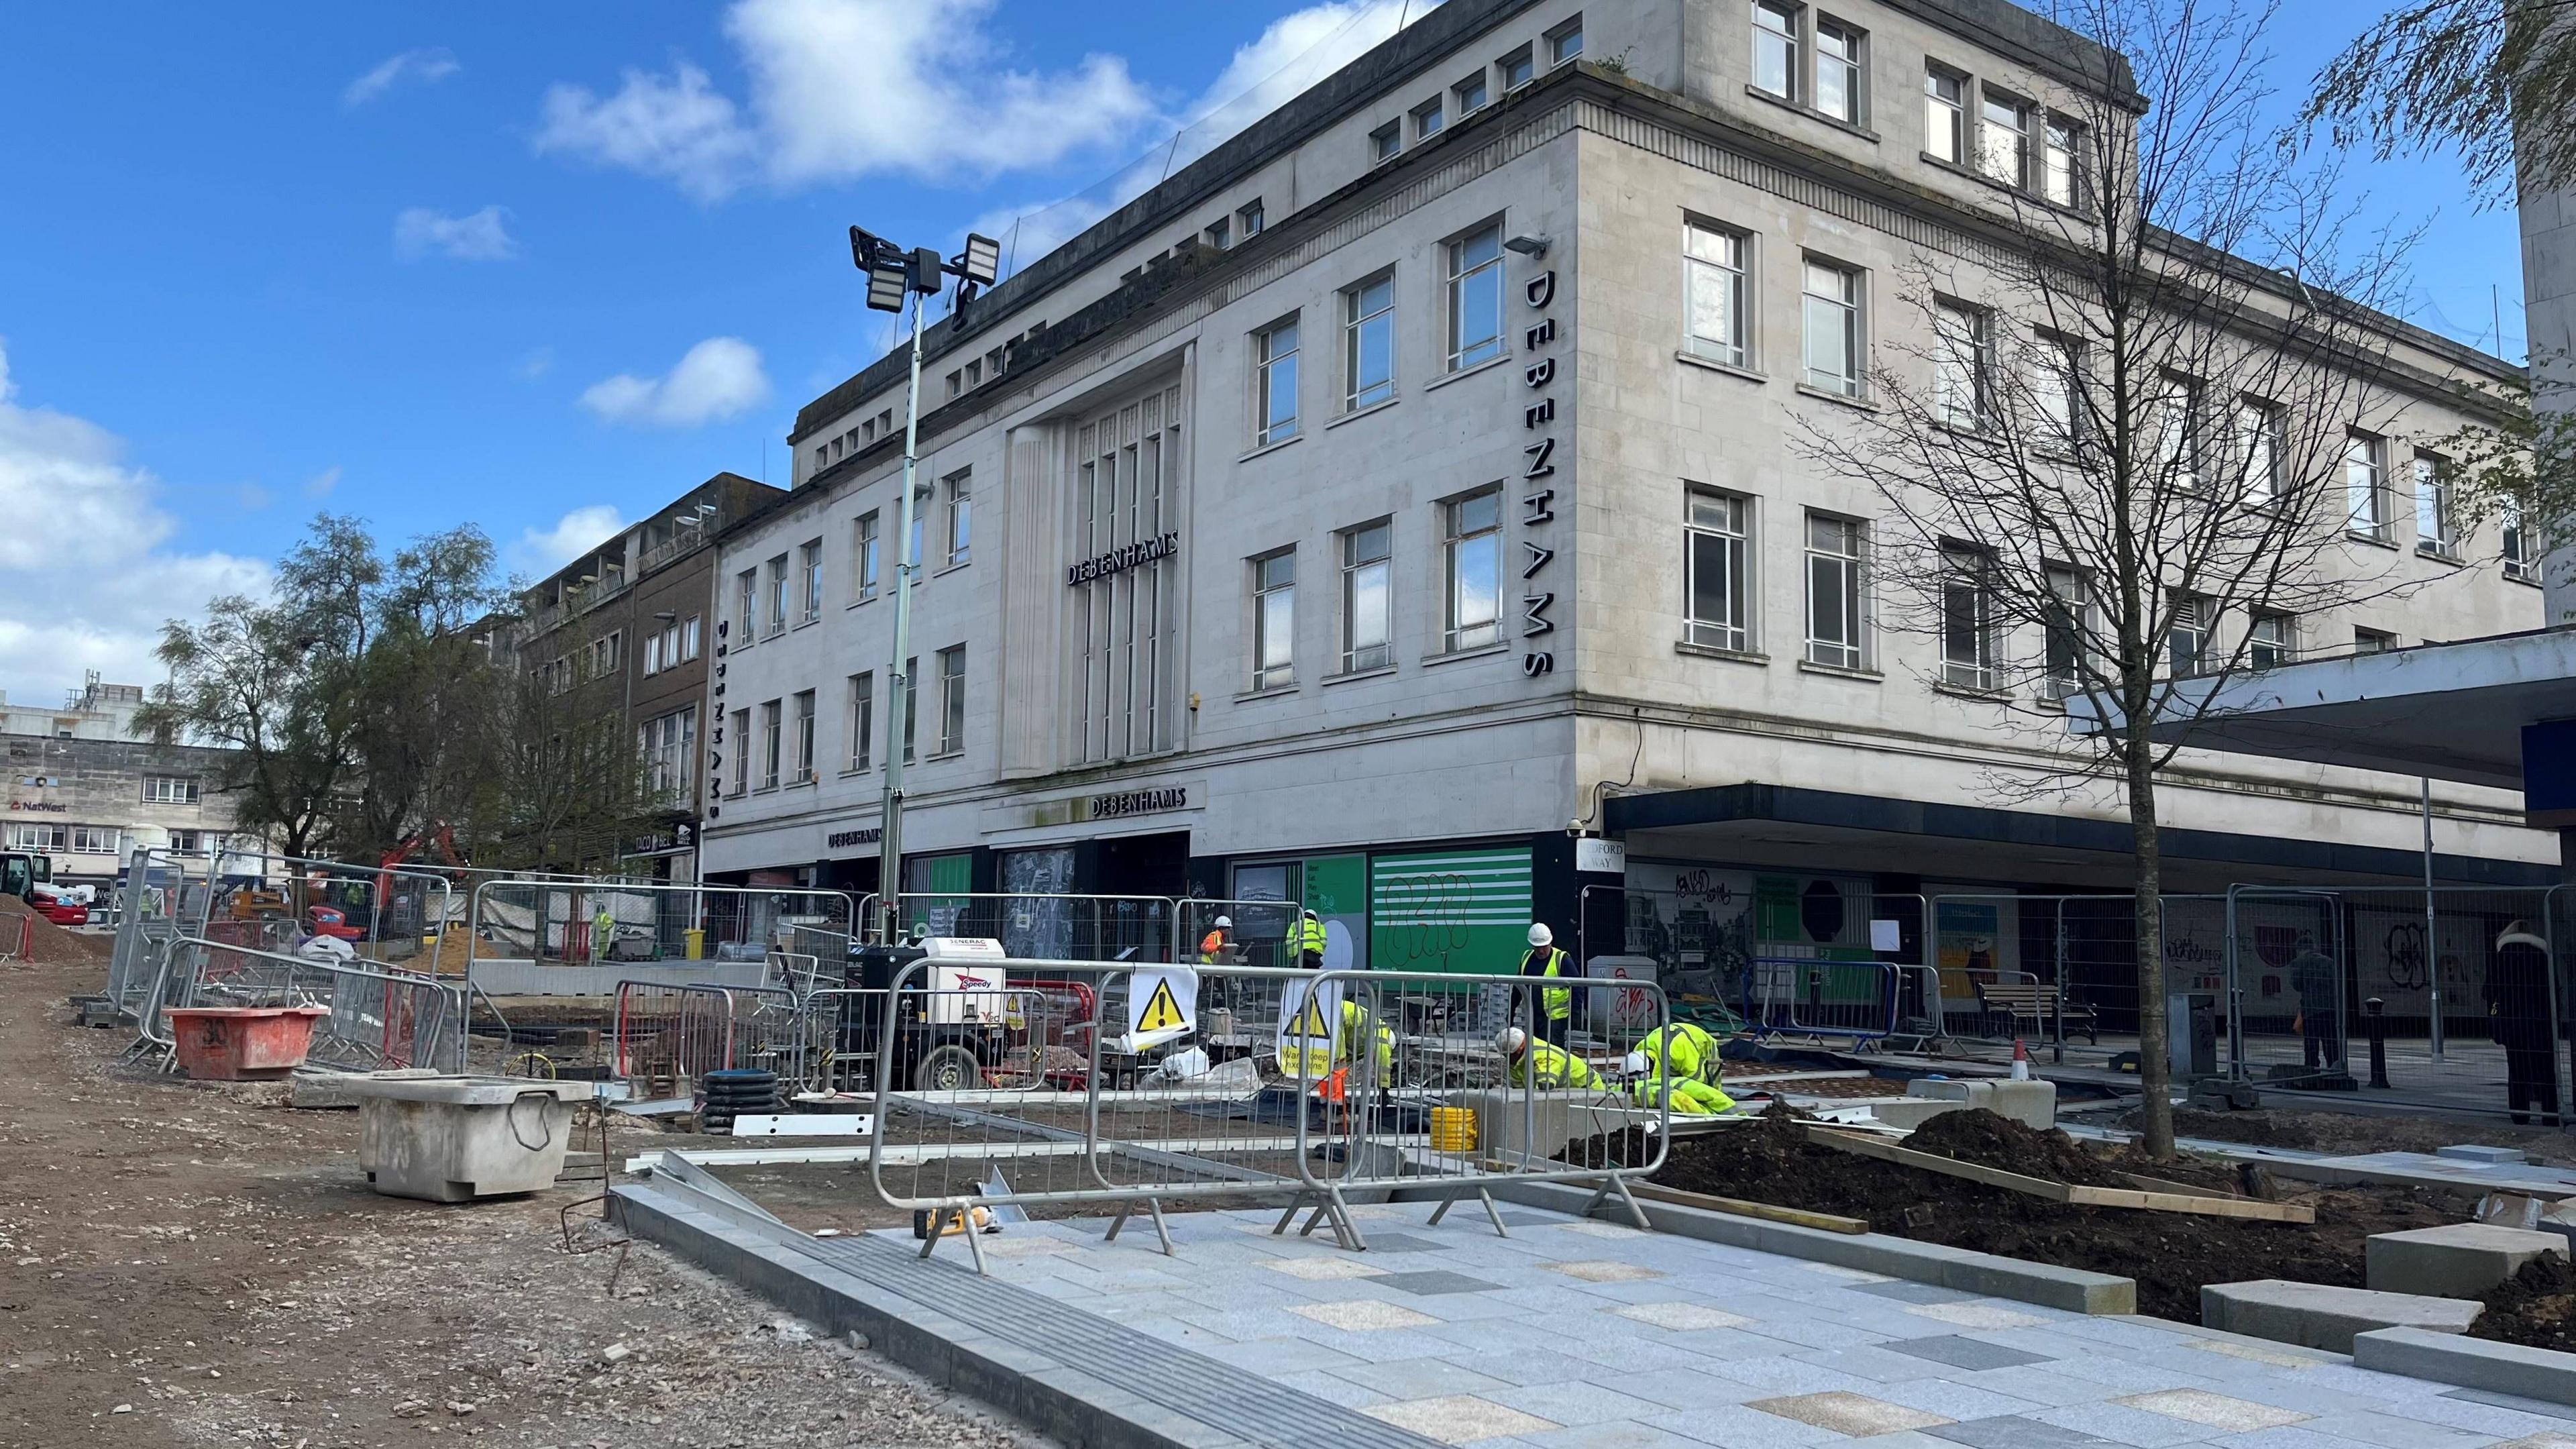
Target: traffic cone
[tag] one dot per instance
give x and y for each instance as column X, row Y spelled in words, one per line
column 2021, row 1061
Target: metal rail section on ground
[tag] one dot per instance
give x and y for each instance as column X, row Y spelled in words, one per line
column 1197, row 1082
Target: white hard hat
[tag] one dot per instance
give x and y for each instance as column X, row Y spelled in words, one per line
column 1510, row 1040
column 1224, row 922
column 1636, row 1064
column 1540, row 935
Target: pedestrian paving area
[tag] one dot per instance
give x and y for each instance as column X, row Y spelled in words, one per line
column 1587, row 1335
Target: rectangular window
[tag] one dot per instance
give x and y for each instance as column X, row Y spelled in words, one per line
column 2271, row 641
column 169, row 789
column 1516, row 69
column 2258, row 427
column 1218, row 234
column 1945, row 115
column 1963, row 364
column 1565, row 42
column 975, row 373
column 1427, row 119
column 1274, row 620
column 1715, row 286
column 2057, row 391
column 1473, row 562
column 862, row 721
column 811, row 558
column 778, row 595
column 2178, row 423
column 1274, row 353
column 1386, row 141
column 2069, row 624
column 1775, row 48
column 689, row 638
column 2061, row 174
column 2372, row 641
column 2365, row 486
column 1470, row 94
column 1247, row 220
column 2187, row 637
column 911, row 704
column 920, row 521
column 2003, row 141
column 741, row 750
column 1717, row 584
column 1839, row 77
column 1368, row 344
column 652, row 655
column 771, row 728
column 956, row 384
column 804, row 717
column 746, row 606
column 2520, row 557
column 2433, row 533
column 670, row 749
column 97, row 840
column 1476, row 297
column 1967, row 619
column 1836, row 619
column 23, row 836
column 961, row 518
column 863, row 556
column 952, row 699
column 1367, row 615
column 1831, row 300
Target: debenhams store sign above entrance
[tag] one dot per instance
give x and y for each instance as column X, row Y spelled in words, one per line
column 1119, row 560
column 1161, row 798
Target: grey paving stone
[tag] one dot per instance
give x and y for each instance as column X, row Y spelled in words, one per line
column 1438, row 1280
column 1272, row 1357
column 2122, row 1425
column 1865, row 1361
column 1904, row 1291
column 1626, row 1435
column 1421, row 1378
column 2389, row 1431
column 1332, row 1389
column 2493, row 1419
column 1406, row 1243
column 2511, row 1401
column 2041, row 1385
column 1526, row 1219
column 1734, row 1426
column 1966, row 1353
column 1681, row 1390
column 1952, row 1400
column 2011, row 1431
column 1534, row 1366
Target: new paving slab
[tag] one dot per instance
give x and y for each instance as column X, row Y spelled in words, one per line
column 1582, row 1335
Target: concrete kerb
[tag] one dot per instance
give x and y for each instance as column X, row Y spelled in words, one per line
column 1052, row 1398
column 2475, row 1363
column 2071, row 1290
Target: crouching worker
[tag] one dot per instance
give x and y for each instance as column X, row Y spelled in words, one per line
column 1550, row 1066
column 1686, row 1056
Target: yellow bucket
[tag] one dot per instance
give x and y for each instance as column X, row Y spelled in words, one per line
column 1453, row 1129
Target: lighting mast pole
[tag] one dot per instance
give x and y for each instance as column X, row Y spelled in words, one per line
column 895, row 277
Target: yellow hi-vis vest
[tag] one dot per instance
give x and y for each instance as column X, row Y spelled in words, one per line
column 1558, row 1000
column 1690, row 1097
column 1554, row 1067
column 1310, row 936
column 1683, row 1051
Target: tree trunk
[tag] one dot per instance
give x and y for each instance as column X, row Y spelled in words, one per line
column 2153, row 1076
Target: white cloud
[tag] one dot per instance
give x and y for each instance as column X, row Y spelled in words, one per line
column 482, row 236
column 535, row 365
column 540, row 551
column 427, row 67
column 321, row 484
column 843, row 89
column 719, row 378
column 85, row 577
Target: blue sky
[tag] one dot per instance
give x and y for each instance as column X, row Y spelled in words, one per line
column 543, row 266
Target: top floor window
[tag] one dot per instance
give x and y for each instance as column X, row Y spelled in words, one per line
column 1427, row 119
column 2365, row 485
column 2521, row 556
column 1247, row 220
column 2433, row 526
column 1839, row 77
column 1945, row 115
column 170, row 790
column 1386, row 141
column 1565, row 42
column 2061, row 172
column 1470, row 94
column 2003, row 140
column 2258, row 430
column 1476, row 297
column 1517, row 69
column 1775, row 48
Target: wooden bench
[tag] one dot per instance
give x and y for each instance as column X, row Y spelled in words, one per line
column 2038, row 1003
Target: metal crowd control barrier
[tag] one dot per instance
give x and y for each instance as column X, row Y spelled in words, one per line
column 583, row 937
column 669, row 1037
column 385, row 912
column 1040, row 926
column 378, row 1017
column 1237, row 1082
column 1815, row 997
column 18, row 942
column 1259, row 933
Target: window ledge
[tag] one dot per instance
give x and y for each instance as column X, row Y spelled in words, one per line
column 1811, row 113
column 1985, row 693
column 2529, row 578
column 1380, row 672
column 854, row 771
column 946, row 569
column 1267, row 691
column 807, row 623
column 766, row 790
column 957, row 753
column 2017, row 193
column 1712, row 651
column 1481, row 651
column 2372, row 539
column 1845, row 399
column 1713, row 365
column 1871, row 676
column 1488, row 365
column 799, row 784
column 2440, row 556
column 1265, row 449
column 2049, row 703
column 868, row 598
column 1355, row 414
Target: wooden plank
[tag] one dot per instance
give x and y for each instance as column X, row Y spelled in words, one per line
column 1828, row 1222
column 2208, row 1207
column 2185, row 1189
column 1930, row 1162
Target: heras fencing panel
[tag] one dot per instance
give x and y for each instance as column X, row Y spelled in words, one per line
column 1042, row 926
column 1255, row 932
column 665, row 1038
column 154, row 889
column 1224, row 1081
column 385, row 912
column 377, row 1017
column 545, row 937
column 1817, row 998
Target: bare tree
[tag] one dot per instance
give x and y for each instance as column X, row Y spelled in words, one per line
column 2118, row 455
column 2488, row 80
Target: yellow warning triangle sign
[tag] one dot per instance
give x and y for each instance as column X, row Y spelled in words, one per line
column 1312, row 1022
column 1162, row 1011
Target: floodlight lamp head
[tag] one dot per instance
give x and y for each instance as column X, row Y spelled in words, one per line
column 1532, row 247
column 982, row 262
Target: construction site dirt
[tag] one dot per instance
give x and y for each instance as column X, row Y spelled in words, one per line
column 2171, row 1255
column 189, row 1264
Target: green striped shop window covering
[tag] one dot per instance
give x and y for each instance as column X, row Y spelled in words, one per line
column 1450, row 910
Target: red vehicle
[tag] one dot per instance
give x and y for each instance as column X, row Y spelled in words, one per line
column 330, row 921
column 59, row 911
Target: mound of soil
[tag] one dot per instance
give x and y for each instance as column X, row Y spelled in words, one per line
column 1990, row 1140
column 2535, row 1307
column 2171, row 1255
column 51, row 945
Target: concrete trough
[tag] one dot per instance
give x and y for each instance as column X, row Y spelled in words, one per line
column 2314, row 1315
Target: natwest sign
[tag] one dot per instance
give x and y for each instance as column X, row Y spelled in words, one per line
column 1119, row 560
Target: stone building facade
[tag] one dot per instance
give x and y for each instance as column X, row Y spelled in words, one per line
column 83, row 790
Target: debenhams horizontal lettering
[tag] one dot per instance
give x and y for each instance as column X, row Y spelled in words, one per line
column 841, row 839
column 1119, row 560
column 1140, row 802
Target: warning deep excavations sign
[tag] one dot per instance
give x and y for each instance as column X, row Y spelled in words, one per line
column 1163, row 1003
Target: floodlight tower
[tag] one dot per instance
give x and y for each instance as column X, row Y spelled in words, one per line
column 897, row 276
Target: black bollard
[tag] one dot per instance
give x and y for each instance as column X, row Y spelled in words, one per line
column 2378, row 1042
